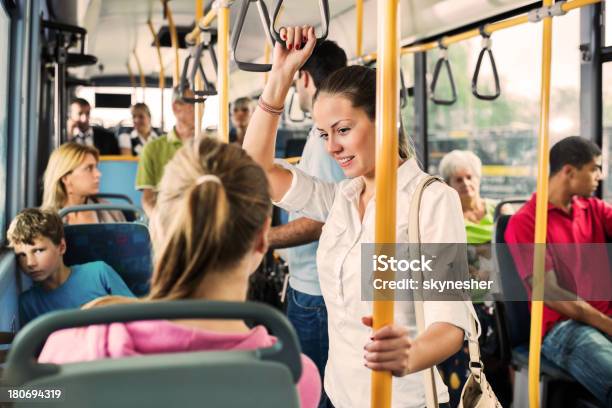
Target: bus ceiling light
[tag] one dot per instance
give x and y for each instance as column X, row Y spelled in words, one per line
column 486, row 47
column 237, row 30
column 442, row 61
column 323, row 8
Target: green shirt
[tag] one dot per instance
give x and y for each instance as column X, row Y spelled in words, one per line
column 154, row 157
column 478, row 234
column 481, row 232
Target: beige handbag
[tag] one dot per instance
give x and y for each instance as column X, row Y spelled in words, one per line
column 477, row 392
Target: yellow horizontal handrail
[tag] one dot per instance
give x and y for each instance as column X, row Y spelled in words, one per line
column 118, row 157
column 488, row 29
column 192, row 37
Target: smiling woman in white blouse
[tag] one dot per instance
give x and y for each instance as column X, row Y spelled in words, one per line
column 344, row 112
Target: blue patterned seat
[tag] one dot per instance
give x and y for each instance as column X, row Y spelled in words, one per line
column 126, row 247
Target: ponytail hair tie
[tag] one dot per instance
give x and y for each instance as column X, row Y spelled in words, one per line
column 208, row 177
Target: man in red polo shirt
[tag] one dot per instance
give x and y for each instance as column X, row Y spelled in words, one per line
column 577, row 333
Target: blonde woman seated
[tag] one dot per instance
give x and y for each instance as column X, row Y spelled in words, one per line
column 72, row 178
column 209, row 233
column 344, row 111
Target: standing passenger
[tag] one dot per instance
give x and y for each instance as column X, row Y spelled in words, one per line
column 242, row 110
column 344, row 113
column 81, row 132
column 209, row 233
column 72, row 178
column 160, row 151
column 131, row 144
column 305, row 305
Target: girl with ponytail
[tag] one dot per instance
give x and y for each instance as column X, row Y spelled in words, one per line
column 209, row 233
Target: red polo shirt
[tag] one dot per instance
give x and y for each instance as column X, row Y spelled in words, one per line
column 589, row 221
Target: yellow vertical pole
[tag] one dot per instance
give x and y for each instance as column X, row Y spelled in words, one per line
column 387, row 103
column 359, row 28
column 267, row 49
column 131, row 74
column 132, row 77
column 537, row 305
column 174, row 41
column 199, row 82
column 143, row 82
column 162, row 76
column 223, row 28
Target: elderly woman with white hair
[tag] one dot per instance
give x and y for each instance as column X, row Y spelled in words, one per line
column 462, row 170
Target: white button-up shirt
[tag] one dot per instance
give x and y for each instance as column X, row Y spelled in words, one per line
column 347, row 380
column 84, row 138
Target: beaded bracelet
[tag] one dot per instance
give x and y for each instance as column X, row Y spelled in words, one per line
column 268, row 108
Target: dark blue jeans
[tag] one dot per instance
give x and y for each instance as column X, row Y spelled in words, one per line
column 585, row 353
column 308, row 315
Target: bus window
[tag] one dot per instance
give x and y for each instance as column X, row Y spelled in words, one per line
column 118, row 117
column 504, row 132
column 4, row 56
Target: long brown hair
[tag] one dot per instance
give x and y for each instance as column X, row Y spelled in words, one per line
column 358, row 84
column 204, row 224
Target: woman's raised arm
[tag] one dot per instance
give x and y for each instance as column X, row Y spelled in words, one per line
column 260, row 137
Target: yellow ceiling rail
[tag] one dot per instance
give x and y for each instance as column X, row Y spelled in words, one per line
column 387, row 107
column 205, row 21
column 541, row 218
column 174, row 41
column 143, row 82
column 359, row 27
column 162, row 75
column 488, row 29
column 223, row 32
column 199, row 81
column 131, row 73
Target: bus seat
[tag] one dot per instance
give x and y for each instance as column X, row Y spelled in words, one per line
column 294, row 147
column 119, row 176
column 124, row 246
column 231, row 379
column 282, row 135
column 518, row 316
column 10, row 286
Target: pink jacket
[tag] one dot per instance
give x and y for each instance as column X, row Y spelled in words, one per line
column 158, row 337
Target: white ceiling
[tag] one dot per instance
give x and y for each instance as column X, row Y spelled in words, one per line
column 117, row 27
